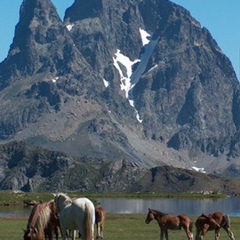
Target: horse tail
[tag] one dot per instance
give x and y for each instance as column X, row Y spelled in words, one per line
column 227, row 222
column 89, row 220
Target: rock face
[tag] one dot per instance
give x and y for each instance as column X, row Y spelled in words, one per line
column 138, row 81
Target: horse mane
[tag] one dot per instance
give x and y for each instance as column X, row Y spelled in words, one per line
column 43, row 216
column 68, row 200
column 158, row 212
column 39, row 218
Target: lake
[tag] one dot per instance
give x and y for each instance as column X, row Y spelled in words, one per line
column 196, row 207
column 191, row 207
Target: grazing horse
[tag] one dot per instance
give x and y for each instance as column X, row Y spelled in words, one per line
column 214, row 221
column 77, row 214
column 166, row 222
column 41, row 221
column 100, row 216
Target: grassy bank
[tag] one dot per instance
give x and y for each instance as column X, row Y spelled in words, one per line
column 13, row 198
column 124, row 226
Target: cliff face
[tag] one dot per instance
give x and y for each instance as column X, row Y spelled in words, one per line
column 181, row 84
column 139, row 81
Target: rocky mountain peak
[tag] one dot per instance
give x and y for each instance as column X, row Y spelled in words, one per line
column 82, row 9
column 41, row 44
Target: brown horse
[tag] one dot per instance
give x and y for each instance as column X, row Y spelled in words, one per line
column 41, row 221
column 100, row 216
column 214, row 221
column 166, row 222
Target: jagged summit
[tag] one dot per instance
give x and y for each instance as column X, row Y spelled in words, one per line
column 138, row 81
column 41, row 44
column 84, row 9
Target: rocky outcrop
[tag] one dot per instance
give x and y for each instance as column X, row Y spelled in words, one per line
column 28, row 168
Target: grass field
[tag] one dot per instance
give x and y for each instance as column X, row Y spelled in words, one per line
column 117, row 226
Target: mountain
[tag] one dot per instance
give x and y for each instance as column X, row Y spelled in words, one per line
column 137, row 81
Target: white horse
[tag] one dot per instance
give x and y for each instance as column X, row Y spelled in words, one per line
column 77, row 214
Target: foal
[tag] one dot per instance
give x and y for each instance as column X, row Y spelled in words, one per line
column 166, row 222
column 100, row 216
column 214, row 221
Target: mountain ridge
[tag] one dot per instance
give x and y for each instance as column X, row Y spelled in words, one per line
column 140, row 82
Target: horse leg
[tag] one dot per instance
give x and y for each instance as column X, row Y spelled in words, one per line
column 188, row 232
column 217, row 234
column 73, row 234
column 229, row 232
column 162, row 234
column 198, row 235
column 166, row 234
column 50, row 237
column 98, row 230
column 101, row 230
column 64, row 233
column 56, row 232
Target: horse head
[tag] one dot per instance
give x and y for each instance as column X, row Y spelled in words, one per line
column 150, row 216
column 61, row 200
column 26, row 235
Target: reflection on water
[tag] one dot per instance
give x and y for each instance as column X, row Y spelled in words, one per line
column 230, row 206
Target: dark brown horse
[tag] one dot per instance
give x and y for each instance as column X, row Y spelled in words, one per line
column 167, row 222
column 100, row 216
column 214, row 221
column 42, row 220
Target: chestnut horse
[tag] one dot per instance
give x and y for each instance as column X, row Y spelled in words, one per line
column 100, row 216
column 41, row 221
column 166, row 222
column 214, row 221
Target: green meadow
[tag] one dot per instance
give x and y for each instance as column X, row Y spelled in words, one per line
column 117, row 227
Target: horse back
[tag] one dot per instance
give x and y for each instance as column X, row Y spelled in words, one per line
column 210, row 222
column 80, row 210
column 169, row 222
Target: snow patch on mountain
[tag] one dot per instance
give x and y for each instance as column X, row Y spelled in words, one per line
column 199, row 169
column 69, row 27
column 124, row 65
column 105, row 82
column 125, row 78
column 55, row 79
column 145, row 36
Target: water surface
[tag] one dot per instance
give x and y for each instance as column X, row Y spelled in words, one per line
column 191, row 207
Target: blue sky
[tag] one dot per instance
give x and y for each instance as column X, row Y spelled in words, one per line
column 220, row 17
